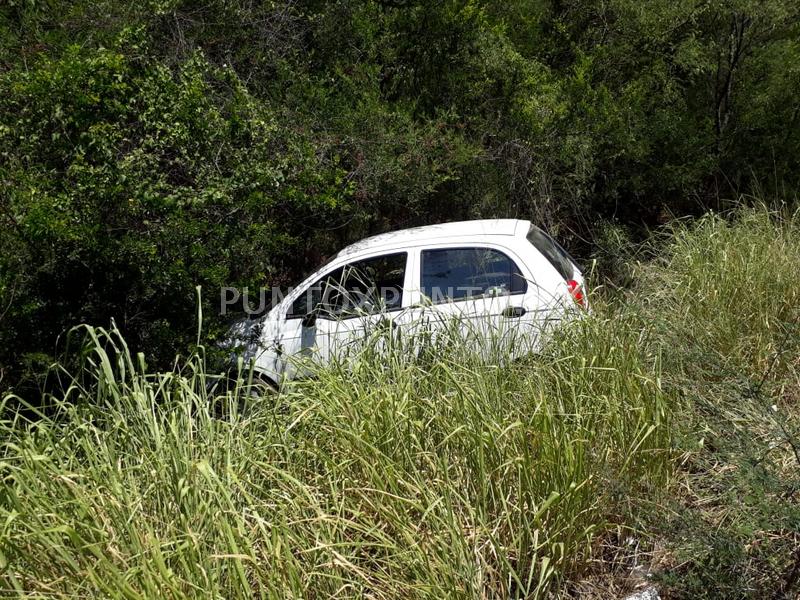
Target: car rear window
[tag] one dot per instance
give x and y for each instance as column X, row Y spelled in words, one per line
column 558, row 257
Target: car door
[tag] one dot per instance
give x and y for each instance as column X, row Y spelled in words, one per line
column 296, row 337
column 329, row 318
column 480, row 293
column 367, row 299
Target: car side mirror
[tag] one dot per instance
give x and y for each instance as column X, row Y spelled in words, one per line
column 310, row 320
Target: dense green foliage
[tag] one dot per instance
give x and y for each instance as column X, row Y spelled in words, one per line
column 657, row 419
column 146, row 147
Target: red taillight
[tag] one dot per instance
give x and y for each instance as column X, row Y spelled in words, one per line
column 576, row 291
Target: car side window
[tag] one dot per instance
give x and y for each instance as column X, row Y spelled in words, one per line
column 370, row 285
column 312, row 297
column 367, row 286
column 460, row 273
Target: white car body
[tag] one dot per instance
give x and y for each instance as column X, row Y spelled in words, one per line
column 531, row 294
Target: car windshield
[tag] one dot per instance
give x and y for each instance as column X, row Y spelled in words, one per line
column 558, row 257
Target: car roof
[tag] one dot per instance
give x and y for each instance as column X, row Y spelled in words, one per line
column 476, row 228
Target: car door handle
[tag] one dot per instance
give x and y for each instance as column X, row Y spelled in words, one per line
column 513, row 312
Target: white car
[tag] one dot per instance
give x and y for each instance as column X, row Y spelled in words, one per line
column 494, row 275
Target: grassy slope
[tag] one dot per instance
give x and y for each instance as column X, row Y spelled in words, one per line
column 446, row 477
column 727, row 303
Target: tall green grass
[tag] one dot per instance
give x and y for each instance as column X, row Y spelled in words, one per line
column 724, row 301
column 725, row 291
column 396, row 474
column 404, row 477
